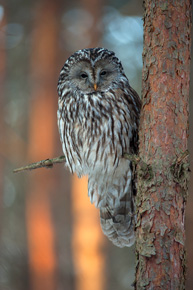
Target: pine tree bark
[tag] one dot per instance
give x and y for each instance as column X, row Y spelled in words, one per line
column 163, row 170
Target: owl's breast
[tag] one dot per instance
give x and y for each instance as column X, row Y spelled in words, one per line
column 94, row 134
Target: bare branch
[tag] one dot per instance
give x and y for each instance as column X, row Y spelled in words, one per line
column 47, row 163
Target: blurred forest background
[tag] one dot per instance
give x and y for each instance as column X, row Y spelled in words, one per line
column 50, row 235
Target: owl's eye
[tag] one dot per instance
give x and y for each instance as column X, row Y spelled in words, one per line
column 103, row 73
column 84, row 75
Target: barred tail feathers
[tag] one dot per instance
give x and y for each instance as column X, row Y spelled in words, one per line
column 118, row 223
column 113, row 194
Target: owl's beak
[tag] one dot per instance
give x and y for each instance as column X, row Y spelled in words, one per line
column 95, row 87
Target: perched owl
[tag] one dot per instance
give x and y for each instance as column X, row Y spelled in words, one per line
column 98, row 118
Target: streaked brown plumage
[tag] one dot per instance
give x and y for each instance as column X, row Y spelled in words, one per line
column 98, row 118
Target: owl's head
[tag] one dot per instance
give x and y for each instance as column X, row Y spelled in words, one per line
column 91, row 70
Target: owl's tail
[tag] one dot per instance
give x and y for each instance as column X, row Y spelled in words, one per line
column 113, row 193
column 118, row 223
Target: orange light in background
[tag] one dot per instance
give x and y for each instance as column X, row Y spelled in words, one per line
column 87, row 240
column 40, row 240
column 42, row 128
column 40, row 228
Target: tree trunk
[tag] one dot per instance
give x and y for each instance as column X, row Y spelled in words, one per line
column 42, row 186
column 2, row 121
column 163, row 170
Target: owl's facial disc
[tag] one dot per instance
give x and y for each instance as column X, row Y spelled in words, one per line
column 93, row 78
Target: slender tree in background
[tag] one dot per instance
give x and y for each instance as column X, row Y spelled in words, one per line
column 2, row 84
column 163, row 169
column 40, row 227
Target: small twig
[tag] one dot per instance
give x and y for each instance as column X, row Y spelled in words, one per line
column 43, row 163
column 132, row 157
column 47, row 163
column 182, row 157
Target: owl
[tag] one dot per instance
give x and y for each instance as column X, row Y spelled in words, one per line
column 98, row 119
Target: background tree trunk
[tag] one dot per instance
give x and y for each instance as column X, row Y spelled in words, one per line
column 42, row 135
column 2, row 86
column 163, row 171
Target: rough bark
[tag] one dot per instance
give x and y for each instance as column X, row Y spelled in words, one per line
column 189, row 212
column 163, row 174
